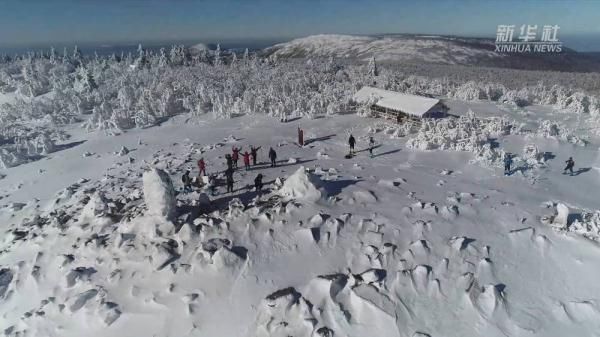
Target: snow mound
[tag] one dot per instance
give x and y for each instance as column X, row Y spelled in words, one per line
column 562, row 215
column 159, row 193
column 328, row 306
column 559, row 218
column 301, row 185
column 123, row 151
column 96, row 209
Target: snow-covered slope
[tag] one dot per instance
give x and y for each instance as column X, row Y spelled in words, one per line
column 387, row 48
column 408, row 243
column 430, row 49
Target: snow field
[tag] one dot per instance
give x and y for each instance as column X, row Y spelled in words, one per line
column 408, row 243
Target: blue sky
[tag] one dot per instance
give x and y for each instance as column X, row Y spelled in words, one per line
column 28, row 22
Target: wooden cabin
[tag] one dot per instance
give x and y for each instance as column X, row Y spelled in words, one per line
column 399, row 106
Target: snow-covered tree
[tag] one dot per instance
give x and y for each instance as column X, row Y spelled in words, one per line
column 85, row 81
column 372, row 67
column 217, row 60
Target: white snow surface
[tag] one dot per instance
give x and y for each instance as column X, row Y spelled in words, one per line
column 407, row 243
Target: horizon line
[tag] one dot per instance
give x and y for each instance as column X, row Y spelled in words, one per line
column 191, row 41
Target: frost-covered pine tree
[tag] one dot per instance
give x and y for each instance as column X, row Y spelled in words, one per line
column 331, row 66
column 218, row 60
column 77, row 54
column 140, row 51
column 246, row 56
column 52, row 56
column 84, row 81
column 372, row 67
column 65, row 58
column 233, row 59
column 141, row 60
column 163, row 60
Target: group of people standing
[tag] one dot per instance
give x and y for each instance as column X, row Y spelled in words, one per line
column 250, row 158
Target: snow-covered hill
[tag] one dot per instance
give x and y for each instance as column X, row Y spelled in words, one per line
column 387, row 48
column 429, row 49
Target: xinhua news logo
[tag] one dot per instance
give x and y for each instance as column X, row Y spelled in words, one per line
column 527, row 41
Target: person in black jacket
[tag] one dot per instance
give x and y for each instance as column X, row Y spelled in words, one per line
column 229, row 161
column 254, row 154
column 351, row 142
column 229, row 179
column 187, row 181
column 507, row 164
column 258, row 184
column 570, row 165
column 273, row 157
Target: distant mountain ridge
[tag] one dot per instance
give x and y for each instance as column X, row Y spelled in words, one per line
column 451, row 50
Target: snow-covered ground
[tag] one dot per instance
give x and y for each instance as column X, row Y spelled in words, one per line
column 408, row 243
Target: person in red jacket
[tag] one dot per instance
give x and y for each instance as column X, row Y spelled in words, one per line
column 246, row 156
column 235, row 155
column 202, row 167
column 300, row 137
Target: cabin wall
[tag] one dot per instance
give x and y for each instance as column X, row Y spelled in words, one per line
column 393, row 114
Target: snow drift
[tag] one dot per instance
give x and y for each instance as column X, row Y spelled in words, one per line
column 301, row 185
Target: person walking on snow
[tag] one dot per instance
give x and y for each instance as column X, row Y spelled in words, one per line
column 507, row 164
column 229, row 180
column 201, row 167
column 300, row 137
column 187, row 181
column 235, row 156
column 254, row 154
column 258, row 184
column 371, row 146
column 246, row 156
column 351, row 142
column 273, row 157
column 570, row 165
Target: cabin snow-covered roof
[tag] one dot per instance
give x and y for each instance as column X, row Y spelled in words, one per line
column 407, row 103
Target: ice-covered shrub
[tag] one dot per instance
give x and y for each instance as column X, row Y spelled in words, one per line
column 533, row 157
column 556, row 130
column 466, row 133
column 588, row 225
